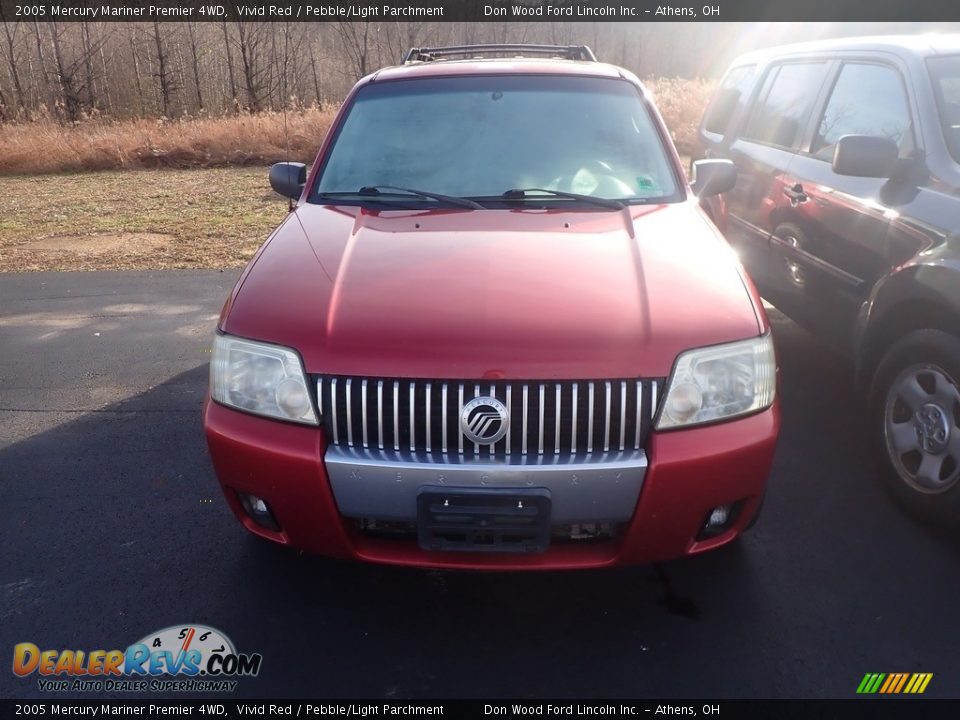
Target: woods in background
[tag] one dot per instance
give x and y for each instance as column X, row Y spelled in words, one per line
column 75, row 70
column 81, row 69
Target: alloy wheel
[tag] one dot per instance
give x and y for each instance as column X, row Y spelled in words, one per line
column 922, row 428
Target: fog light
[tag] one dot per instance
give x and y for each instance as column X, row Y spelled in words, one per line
column 259, row 511
column 718, row 517
column 719, row 520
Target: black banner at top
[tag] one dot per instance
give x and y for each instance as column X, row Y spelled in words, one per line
column 473, row 709
column 480, row 10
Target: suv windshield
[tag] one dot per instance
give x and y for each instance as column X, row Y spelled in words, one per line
column 945, row 73
column 479, row 137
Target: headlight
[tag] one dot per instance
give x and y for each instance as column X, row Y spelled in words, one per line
column 720, row 382
column 261, row 379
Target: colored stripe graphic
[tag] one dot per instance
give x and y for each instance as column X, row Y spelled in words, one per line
column 892, row 678
column 870, row 683
column 894, row 683
column 903, row 680
column 921, row 685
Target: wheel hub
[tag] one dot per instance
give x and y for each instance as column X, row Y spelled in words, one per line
column 933, row 428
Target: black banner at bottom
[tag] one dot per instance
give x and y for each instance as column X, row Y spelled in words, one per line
column 876, row 708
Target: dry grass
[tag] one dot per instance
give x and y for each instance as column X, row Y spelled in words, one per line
column 45, row 146
column 681, row 103
column 145, row 219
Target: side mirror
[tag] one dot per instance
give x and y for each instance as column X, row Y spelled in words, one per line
column 712, row 177
column 865, row 156
column 288, row 179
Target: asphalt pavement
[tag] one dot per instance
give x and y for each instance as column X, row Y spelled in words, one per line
column 112, row 526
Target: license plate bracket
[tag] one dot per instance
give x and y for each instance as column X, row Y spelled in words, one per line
column 484, row 519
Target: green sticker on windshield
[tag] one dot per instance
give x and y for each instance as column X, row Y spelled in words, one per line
column 645, row 182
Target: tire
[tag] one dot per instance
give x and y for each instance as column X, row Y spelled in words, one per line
column 914, row 424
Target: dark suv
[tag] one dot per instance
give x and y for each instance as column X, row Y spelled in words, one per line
column 846, row 212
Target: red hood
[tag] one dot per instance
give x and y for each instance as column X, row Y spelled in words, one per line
column 494, row 293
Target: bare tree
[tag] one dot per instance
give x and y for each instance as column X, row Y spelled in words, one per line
column 250, row 39
column 69, row 101
column 136, row 74
column 88, row 64
column 318, row 93
column 356, row 40
column 195, row 58
column 43, row 83
column 12, row 56
column 3, row 106
column 105, row 79
column 163, row 74
column 233, row 82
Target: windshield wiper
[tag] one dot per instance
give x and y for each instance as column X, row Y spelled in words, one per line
column 377, row 190
column 523, row 194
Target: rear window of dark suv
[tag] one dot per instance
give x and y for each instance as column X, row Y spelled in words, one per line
column 731, row 96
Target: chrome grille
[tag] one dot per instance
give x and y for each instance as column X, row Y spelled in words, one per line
column 568, row 418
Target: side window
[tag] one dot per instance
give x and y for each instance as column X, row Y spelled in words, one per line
column 866, row 100
column 945, row 73
column 785, row 103
column 730, row 95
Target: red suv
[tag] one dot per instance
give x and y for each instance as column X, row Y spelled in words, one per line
column 497, row 331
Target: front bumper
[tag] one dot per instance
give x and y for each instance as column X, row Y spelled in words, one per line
column 684, row 475
column 385, row 485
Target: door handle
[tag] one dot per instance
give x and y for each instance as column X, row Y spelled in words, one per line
column 796, row 194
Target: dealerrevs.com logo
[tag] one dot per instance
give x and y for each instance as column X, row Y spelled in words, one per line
column 186, row 658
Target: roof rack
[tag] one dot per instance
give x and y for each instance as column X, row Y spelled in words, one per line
column 568, row 52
